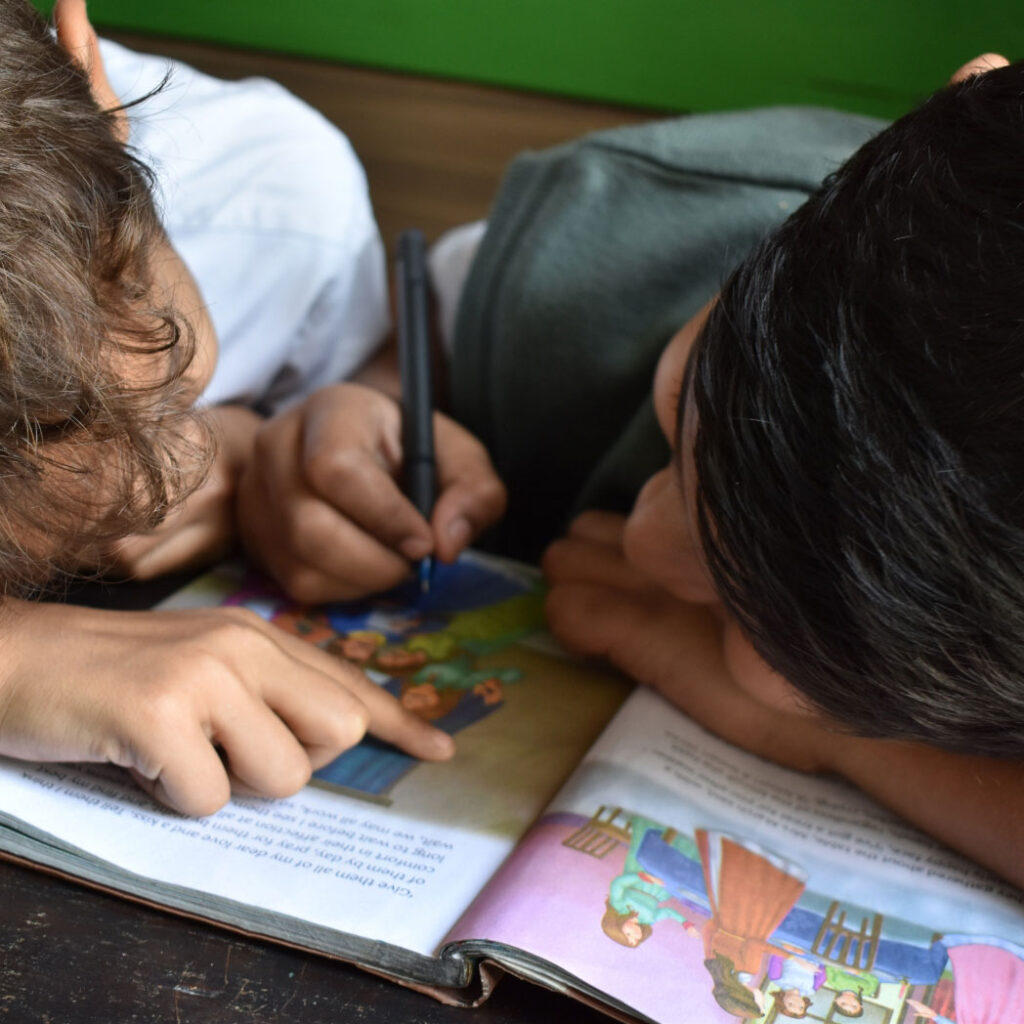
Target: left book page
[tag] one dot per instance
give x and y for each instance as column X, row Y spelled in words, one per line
column 380, row 848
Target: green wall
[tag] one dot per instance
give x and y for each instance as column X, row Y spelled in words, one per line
column 674, row 54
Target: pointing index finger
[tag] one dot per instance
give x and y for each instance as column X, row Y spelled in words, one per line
column 388, row 720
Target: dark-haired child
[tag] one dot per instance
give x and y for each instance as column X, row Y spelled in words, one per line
column 829, row 571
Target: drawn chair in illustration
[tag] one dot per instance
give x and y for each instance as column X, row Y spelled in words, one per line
column 839, row 941
column 600, row 835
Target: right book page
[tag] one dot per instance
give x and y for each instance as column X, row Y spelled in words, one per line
column 692, row 881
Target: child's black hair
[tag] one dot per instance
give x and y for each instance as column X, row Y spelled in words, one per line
column 860, row 449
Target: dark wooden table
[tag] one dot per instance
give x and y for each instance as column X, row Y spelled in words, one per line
column 69, row 955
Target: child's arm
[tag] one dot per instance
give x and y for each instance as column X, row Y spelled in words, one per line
column 975, row 804
column 600, row 605
column 193, row 703
column 321, row 508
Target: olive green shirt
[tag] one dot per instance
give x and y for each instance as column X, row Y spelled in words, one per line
column 596, row 252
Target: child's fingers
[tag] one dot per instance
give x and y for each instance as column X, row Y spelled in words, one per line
column 390, row 722
column 978, row 66
column 576, row 559
column 577, row 614
column 363, row 484
column 471, row 495
column 192, row 779
column 268, row 754
column 323, row 556
column 672, row 647
column 463, row 511
column 167, row 694
column 351, row 455
column 619, row 625
column 145, row 556
column 319, row 505
column 311, row 548
column 386, row 718
column 241, row 705
column 372, row 499
column 276, row 708
column 322, row 507
column 676, row 649
column 599, row 527
column 592, row 552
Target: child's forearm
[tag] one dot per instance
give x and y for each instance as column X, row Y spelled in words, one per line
column 381, row 370
column 234, row 428
column 381, row 373
column 975, row 804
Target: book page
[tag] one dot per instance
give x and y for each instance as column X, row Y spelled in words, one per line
column 380, row 845
column 319, row 857
column 691, row 880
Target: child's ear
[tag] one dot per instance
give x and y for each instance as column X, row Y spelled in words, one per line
column 78, row 39
column 982, row 63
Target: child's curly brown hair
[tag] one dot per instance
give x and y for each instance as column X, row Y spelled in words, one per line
column 97, row 438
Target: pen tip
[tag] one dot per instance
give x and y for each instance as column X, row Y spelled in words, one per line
column 426, row 571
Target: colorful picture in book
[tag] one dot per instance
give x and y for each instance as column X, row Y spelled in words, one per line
column 426, row 649
column 468, row 656
column 732, row 931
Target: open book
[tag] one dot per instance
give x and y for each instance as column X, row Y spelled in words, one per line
column 596, row 842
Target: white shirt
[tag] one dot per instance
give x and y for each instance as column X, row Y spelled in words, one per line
column 268, row 206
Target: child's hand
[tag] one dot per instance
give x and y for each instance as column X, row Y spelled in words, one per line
column 202, row 529
column 193, row 703
column 600, row 604
column 321, row 509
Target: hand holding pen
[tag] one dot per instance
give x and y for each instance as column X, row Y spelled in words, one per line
column 323, row 504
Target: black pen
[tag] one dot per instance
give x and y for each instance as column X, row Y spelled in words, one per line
column 419, row 471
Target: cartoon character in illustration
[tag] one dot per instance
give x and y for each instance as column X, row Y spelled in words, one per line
column 750, row 890
column 397, row 661
column 357, row 646
column 848, row 1004
column 452, row 696
column 798, row 978
column 637, row 898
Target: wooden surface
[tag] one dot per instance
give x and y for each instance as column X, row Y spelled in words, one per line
column 433, row 150
column 434, row 154
column 69, row 955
